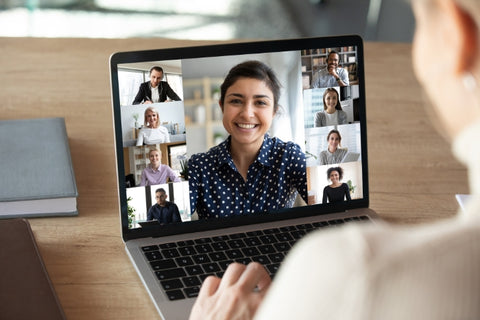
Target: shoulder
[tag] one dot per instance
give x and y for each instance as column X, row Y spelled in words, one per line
column 164, row 167
column 204, row 157
column 287, row 146
column 144, row 130
column 171, row 204
column 320, row 114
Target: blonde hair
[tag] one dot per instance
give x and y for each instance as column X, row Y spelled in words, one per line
column 151, row 150
column 145, row 122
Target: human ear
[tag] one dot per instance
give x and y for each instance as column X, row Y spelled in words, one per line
column 464, row 34
column 220, row 104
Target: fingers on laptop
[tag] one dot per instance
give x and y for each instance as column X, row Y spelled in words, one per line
column 240, row 291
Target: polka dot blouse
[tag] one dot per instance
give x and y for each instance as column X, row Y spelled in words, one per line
column 217, row 189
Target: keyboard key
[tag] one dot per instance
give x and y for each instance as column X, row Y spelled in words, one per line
column 276, row 257
column 288, row 228
column 298, row 234
column 220, row 246
column 261, row 259
column 250, row 251
column 238, row 236
column 170, row 253
column 201, row 258
column 150, row 248
column 168, row 245
column 175, row 295
column 194, row 270
column 185, row 243
column 236, row 244
column 202, row 240
column 224, row 264
column 271, row 231
column 220, row 238
column 171, row 284
column 254, row 233
column 170, row 274
column 253, row 241
column 282, row 246
column 191, row 292
column 217, row 256
column 266, row 249
column 273, row 268
column 203, row 248
column 234, row 254
column 184, row 261
column 187, row 251
column 305, row 226
column 268, row 239
column 163, row 264
column 336, row 222
column 321, row 224
column 244, row 261
column 282, row 237
column 153, row 255
column 191, row 281
column 211, row 267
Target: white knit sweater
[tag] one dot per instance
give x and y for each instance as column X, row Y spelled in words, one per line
column 428, row 272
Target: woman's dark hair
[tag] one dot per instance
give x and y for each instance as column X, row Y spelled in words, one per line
column 338, row 106
column 255, row 70
column 338, row 169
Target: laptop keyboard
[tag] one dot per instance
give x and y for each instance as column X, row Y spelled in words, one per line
column 182, row 266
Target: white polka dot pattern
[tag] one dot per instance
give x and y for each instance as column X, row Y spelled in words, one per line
column 218, row 190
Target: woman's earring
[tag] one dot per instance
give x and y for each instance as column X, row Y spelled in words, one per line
column 469, row 81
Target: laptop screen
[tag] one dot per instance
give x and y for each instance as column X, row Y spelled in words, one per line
column 179, row 133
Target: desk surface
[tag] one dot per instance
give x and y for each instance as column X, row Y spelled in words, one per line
column 413, row 177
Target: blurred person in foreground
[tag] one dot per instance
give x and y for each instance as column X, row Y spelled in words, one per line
column 381, row 271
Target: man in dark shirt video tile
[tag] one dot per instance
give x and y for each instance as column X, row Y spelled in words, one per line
column 164, row 211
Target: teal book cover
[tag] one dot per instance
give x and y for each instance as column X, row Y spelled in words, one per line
column 36, row 169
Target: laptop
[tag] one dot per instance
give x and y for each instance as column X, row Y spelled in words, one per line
column 173, row 258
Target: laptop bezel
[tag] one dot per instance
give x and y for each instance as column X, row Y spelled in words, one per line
column 225, row 50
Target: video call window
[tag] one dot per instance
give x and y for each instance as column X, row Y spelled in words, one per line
column 131, row 76
column 194, row 123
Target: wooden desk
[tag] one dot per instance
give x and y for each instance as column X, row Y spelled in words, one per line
column 413, row 177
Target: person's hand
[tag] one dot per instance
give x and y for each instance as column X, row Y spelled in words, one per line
column 332, row 70
column 236, row 296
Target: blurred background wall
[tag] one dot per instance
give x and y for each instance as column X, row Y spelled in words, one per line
column 374, row 20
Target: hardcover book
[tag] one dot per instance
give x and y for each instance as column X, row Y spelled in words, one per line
column 26, row 291
column 36, row 169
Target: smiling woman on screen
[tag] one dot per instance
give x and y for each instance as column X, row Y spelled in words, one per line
column 242, row 174
column 152, row 132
